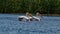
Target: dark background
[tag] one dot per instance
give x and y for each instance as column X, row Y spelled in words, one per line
column 33, row 6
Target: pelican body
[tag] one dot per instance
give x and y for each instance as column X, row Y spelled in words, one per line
column 28, row 17
column 25, row 18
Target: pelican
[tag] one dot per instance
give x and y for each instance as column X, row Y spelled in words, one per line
column 36, row 18
column 25, row 18
column 28, row 17
column 21, row 18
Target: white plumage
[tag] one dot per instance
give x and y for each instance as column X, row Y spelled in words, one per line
column 36, row 18
column 28, row 17
column 25, row 18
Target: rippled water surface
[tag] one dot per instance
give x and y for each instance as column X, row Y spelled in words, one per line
column 9, row 24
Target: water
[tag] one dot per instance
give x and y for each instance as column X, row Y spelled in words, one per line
column 9, row 24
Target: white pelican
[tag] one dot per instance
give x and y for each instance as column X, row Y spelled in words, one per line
column 21, row 18
column 36, row 18
column 25, row 18
column 28, row 17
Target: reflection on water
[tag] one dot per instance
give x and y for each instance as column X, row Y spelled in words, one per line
column 9, row 24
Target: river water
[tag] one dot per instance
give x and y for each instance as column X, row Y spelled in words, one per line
column 9, row 24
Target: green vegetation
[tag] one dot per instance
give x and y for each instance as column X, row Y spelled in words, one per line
column 22, row 6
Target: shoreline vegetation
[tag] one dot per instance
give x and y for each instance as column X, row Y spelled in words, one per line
column 33, row 14
column 49, row 7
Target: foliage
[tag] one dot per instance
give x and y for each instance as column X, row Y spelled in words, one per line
column 22, row 6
